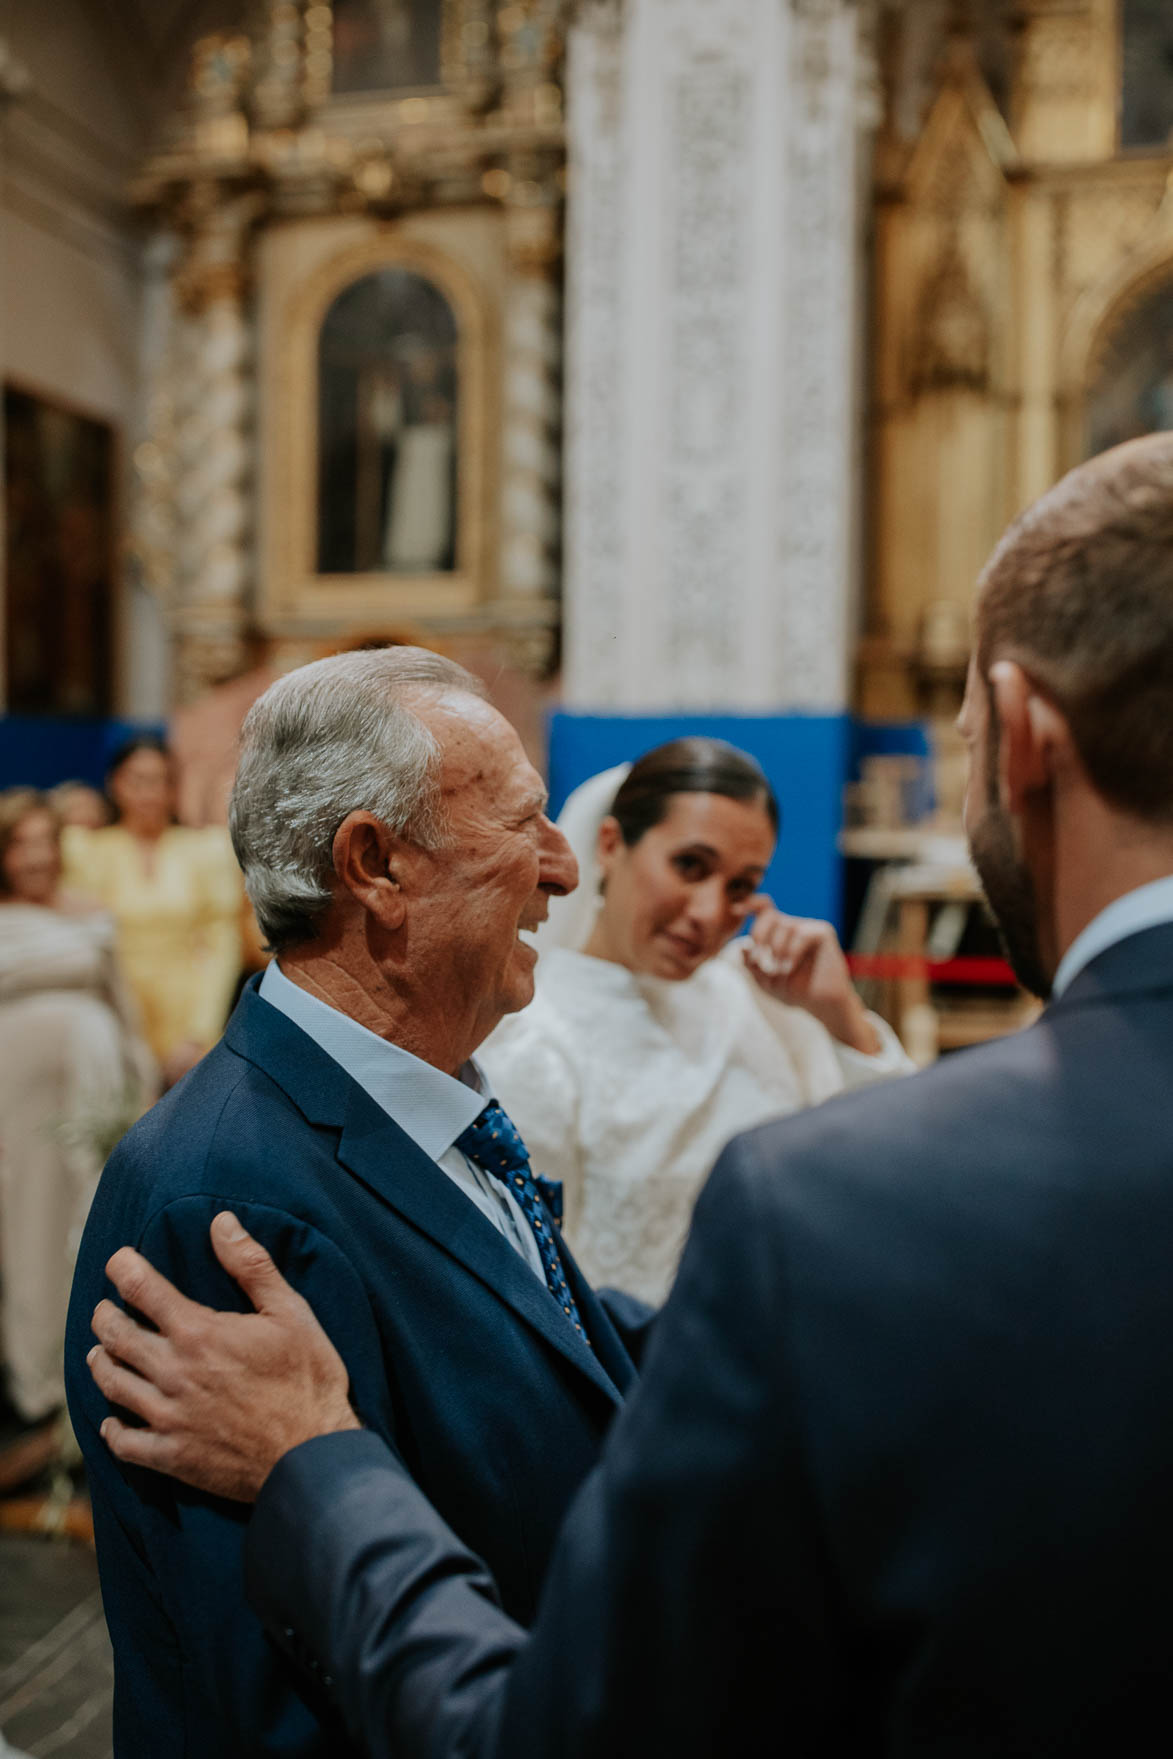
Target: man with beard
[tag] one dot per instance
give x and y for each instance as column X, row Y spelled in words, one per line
column 898, row 1476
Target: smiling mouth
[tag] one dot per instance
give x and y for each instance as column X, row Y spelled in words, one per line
column 684, row 949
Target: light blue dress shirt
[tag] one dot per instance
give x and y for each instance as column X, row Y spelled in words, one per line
column 1146, row 907
column 429, row 1106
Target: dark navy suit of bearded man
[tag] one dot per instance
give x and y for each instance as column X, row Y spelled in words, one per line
column 335, row 1147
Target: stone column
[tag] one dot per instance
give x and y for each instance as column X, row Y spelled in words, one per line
column 213, row 398
column 531, row 463
column 713, row 277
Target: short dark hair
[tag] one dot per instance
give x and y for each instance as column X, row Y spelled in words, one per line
column 693, row 765
column 1080, row 593
column 131, row 747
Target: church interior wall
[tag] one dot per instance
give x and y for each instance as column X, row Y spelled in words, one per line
column 85, row 89
column 839, row 280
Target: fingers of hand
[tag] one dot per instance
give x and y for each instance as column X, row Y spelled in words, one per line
column 143, row 1350
column 248, row 1263
column 773, row 942
column 138, row 1447
column 807, row 941
column 143, row 1288
column 122, row 1386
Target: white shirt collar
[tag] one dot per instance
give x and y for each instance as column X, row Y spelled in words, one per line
column 1145, row 907
column 432, row 1107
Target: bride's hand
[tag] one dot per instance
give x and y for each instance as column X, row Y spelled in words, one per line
column 799, row 961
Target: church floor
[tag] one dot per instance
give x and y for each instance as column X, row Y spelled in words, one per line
column 56, row 1674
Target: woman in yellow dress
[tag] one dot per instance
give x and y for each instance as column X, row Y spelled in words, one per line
column 176, row 896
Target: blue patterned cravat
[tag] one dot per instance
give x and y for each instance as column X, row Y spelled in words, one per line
column 493, row 1141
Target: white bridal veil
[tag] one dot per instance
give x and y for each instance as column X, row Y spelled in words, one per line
column 571, row 919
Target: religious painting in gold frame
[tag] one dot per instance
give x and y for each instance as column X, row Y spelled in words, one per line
column 385, row 46
column 417, row 473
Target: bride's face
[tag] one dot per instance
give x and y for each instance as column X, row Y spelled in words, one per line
column 673, row 899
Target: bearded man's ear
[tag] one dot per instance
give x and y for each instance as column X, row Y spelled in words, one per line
column 1034, row 740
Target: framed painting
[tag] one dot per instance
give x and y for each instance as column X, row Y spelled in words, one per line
column 59, row 543
column 379, row 393
column 386, row 45
column 388, row 432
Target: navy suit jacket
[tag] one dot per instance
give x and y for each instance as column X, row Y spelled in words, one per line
column 457, row 1354
column 898, row 1477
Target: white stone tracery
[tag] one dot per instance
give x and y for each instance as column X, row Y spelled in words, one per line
column 713, row 277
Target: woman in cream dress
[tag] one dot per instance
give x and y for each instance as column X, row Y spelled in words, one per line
column 73, row 1077
column 653, row 1037
column 177, row 899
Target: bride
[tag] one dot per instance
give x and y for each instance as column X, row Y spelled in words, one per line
column 653, row 1036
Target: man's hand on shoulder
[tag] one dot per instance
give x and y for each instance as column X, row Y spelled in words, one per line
column 220, row 1396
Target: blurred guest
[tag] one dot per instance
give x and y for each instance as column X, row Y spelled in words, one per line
column 76, row 803
column 177, row 898
column 642, row 1053
column 73, row 1077
column 205, row 735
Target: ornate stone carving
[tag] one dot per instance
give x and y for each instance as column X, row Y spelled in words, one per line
column 707, row 475
column 468, row 58
column 1058, row 57
column 711, row 277
column 531, row 364
column 205, row 657
column 949, row 343
column 194, row 530
column 597, row 389
column 1103, row 224
column 219, row 75
column 819, row 387
column 278, row 90
column 264, row 139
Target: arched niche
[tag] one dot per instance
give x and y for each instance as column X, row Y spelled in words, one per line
column 1129, row 385
column 377, row 472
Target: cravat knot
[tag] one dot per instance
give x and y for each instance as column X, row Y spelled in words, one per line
column 494, row 1142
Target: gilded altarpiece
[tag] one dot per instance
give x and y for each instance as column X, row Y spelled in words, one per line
column 1022, row 254
column 353, row 422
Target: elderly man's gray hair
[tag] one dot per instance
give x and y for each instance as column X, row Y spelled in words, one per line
column 328, row 739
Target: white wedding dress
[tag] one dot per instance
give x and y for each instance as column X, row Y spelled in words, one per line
column 627, row 1088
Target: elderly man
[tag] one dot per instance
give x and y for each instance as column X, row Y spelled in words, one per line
column 395, row 847
column 897, row 1478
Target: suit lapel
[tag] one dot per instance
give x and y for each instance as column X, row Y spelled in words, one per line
column 374, row 1149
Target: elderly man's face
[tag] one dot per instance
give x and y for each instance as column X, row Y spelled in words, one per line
column 502, row 862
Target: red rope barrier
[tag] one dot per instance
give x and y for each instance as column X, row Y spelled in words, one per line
column 981, row 972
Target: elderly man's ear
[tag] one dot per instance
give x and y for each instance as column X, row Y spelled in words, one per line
column 368, row 859
column 1034, row 741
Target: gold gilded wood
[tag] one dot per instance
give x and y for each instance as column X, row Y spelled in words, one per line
column 292, row 593
column 1006, row 262
column 462, row 181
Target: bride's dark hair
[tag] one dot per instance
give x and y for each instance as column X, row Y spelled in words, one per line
column 694, row 765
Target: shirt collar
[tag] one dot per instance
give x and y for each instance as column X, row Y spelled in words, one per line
column 432, row 1107
column 1146, row 907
